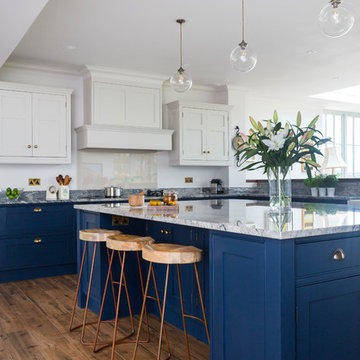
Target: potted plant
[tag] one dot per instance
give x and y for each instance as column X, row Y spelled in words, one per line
column 331, row 181
column 312, row 183
column 322, row 185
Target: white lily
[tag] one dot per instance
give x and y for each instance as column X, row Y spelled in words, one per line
column 276, row 142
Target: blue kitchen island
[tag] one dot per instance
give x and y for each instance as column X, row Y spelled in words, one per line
column 276, row 286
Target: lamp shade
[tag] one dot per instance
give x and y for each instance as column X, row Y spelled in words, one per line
column 332, row 159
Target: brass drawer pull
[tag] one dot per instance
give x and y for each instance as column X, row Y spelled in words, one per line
column 166, row 232
column 37, row 241
column 38, row 209
column 29, row 146
column 338, row 255
column 35, row 146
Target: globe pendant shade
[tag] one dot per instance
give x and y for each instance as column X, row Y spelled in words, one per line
column 181, row 81
column 335, row 22
column 243, row 59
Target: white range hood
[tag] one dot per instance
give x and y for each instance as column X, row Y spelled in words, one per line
column 123, row 110
column 116, row 137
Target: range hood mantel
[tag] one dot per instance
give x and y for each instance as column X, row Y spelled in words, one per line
column 122, row 110
column 118, row 137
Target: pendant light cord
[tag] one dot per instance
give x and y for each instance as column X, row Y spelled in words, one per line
column 181, row 45
column 243, row 21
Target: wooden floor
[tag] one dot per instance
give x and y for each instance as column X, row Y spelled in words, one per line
column 34, row 318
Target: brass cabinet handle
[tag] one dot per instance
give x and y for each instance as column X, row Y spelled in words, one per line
column 166, row 232
column 37, row 209
column 35, row 146
column 204, row 152
column 37, row 241
column 338, row 255
column 162, row 231
column 208, row 152
column 29, row 146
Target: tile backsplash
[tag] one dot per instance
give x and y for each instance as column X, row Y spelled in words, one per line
column 100, row 168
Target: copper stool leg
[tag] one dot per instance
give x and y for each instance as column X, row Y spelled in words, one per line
column 102, row 302
column 143, row 310
column 117, row 306
column 163, row 310
column 182, row 314
column 202, row 302
column 88, row 297
column 77, row 290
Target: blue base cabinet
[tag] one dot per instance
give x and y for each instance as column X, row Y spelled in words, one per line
column 36, row 240
column 328, row 324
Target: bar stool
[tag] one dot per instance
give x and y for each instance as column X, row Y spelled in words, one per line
column 126, row 243
column 172, row 254
column 90, row 236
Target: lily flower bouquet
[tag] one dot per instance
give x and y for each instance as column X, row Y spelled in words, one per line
column 276, row 147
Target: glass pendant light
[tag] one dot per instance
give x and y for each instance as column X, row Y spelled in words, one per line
column 335, row 20
column 181, row 81
column 243, row 58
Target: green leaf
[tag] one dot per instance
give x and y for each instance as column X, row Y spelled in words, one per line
column 313, row 122
column 253, row 123
column 298, row 120
column 275, row 117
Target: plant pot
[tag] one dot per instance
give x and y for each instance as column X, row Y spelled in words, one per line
column 279, row 189
column 330, row 191
column 322, row 191
column 314, row 191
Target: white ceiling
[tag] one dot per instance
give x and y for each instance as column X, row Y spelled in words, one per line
column 142, row 35
column 16, row 16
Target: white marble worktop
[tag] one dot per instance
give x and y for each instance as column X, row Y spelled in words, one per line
column 248, row 217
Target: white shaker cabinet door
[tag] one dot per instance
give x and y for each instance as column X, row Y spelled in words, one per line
column 217, row 135
column 15, row 124
column 193, row 134
column 49, row 125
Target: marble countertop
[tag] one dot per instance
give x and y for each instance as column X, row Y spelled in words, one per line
column 247, row 217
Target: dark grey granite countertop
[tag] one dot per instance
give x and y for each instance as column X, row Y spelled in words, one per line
column 96, row 196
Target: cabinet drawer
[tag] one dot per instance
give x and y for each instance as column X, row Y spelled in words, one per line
column 320, row 257
column 35, row 251
column 37, row 219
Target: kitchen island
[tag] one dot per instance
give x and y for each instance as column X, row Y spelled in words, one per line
column 276, row 286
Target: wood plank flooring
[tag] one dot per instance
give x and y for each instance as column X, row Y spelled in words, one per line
column 34, row 318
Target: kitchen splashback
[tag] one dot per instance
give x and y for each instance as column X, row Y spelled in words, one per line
column 100, row 168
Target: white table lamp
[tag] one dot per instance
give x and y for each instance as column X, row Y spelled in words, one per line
column 332, row 159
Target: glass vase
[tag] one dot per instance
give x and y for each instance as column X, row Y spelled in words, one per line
column 279, row 189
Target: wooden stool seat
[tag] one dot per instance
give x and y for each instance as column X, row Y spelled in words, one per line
column 171, row 254
column 124, row 242
column 97, row 235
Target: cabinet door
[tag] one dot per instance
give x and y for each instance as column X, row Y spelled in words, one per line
column 329, row 320
column 193, row 142
column 237, row 278
column 15, row 124
column 120, row 105
column 49, row 125
column 217, row 135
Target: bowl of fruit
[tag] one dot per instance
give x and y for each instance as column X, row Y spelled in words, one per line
column 13, row 194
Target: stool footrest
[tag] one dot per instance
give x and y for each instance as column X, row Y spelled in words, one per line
column 194, row 317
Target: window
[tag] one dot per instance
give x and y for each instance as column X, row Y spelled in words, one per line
column 344, row 130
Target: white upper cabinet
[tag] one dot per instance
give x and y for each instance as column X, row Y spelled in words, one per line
column 122, row 111
column 15, row 124
column 35, row 124
column 201, row 133
column 49, row 126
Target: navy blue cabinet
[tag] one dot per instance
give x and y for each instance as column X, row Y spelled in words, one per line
column 329, row 320
column 36, row 240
